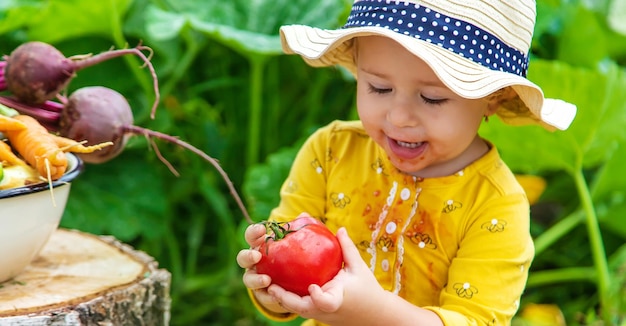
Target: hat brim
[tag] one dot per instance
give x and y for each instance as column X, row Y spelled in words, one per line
column 323, row 47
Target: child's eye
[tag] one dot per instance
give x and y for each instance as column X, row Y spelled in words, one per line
column 432, row 101
column 373, row 89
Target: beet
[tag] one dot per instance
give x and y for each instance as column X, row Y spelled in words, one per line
column 97, row 114
column 36, row 72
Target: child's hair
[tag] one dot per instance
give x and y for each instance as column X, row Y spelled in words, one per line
column 476, row 47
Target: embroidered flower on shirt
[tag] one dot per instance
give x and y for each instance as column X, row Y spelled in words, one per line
column 329, row 155
column 465, row 290
column 291, row 186
column 363, row 245
column 385, row 243
column 378, row 167
column 339, row 199
column 317, row 166
column 422, row 240
column 494, row 225
column 451, row 205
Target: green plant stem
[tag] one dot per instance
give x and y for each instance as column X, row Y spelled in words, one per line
column 120, row 42
column 558, row 230
column 257, row 63
column 562, row 275
column 596, row 242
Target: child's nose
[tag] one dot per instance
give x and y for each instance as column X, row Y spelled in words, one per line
column 403, row 113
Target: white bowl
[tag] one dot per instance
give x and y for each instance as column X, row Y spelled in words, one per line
column 28, row 217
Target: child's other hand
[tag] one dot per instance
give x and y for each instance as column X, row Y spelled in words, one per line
column 352, row 294
column 247, row 259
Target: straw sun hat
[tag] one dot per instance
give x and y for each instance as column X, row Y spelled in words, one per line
column 475, row 47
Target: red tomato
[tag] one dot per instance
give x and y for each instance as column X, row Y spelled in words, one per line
column 300, row 253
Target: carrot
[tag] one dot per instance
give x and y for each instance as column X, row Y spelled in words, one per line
column 7, row 155
column 37, row 148
column 42, row 150
column 9, row 123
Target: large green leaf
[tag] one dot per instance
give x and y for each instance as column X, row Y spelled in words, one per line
column 164, row 25
column 582, row 46
column 246, row 26
column 592, row 137
column 57, row 20
column 15, row 14
column 263, row 181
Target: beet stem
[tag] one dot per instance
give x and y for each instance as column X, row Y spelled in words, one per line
column 151, row 133
column 84, row 62
column 52, row 106
column 49, row 118
column 161, row 157
column 63, row 99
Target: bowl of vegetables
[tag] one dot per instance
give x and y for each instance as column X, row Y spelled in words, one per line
column 30, row 211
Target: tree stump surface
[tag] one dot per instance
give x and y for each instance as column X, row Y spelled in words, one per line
column 83, row 279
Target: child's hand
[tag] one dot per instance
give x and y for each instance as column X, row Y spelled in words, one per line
column 352, row 294
column 248, row 258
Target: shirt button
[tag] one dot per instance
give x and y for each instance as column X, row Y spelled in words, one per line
column 405, row 194
column 391, row 227
column 385, row 265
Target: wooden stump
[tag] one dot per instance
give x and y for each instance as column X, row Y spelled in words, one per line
column 83, row 279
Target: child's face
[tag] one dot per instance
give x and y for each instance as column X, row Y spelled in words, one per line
column 423, row 126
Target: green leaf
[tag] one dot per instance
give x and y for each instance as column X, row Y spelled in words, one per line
column 59, row 20
column 164, row 25
column 549, row 17
column 584, row 46
column 242, row 41
column 598, row 126
column 16, row 14
column 247, row 26
column 263, row 181
column 592, row 137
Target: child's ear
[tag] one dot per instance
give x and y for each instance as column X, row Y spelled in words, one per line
column 498, row 98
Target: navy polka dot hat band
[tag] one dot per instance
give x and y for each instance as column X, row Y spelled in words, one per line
column 475, row 47
column 460, row 37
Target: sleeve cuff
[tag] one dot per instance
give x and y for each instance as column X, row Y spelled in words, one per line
column 449, row 318
column 282, row 317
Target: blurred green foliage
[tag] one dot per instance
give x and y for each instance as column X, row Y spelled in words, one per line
column 227, row 89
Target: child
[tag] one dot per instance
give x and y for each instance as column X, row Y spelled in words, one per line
column 433, row 226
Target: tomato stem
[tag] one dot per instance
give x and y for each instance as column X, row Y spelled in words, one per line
column 278, row 229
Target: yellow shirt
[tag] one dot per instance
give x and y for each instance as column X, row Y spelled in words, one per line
column 458, row 245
